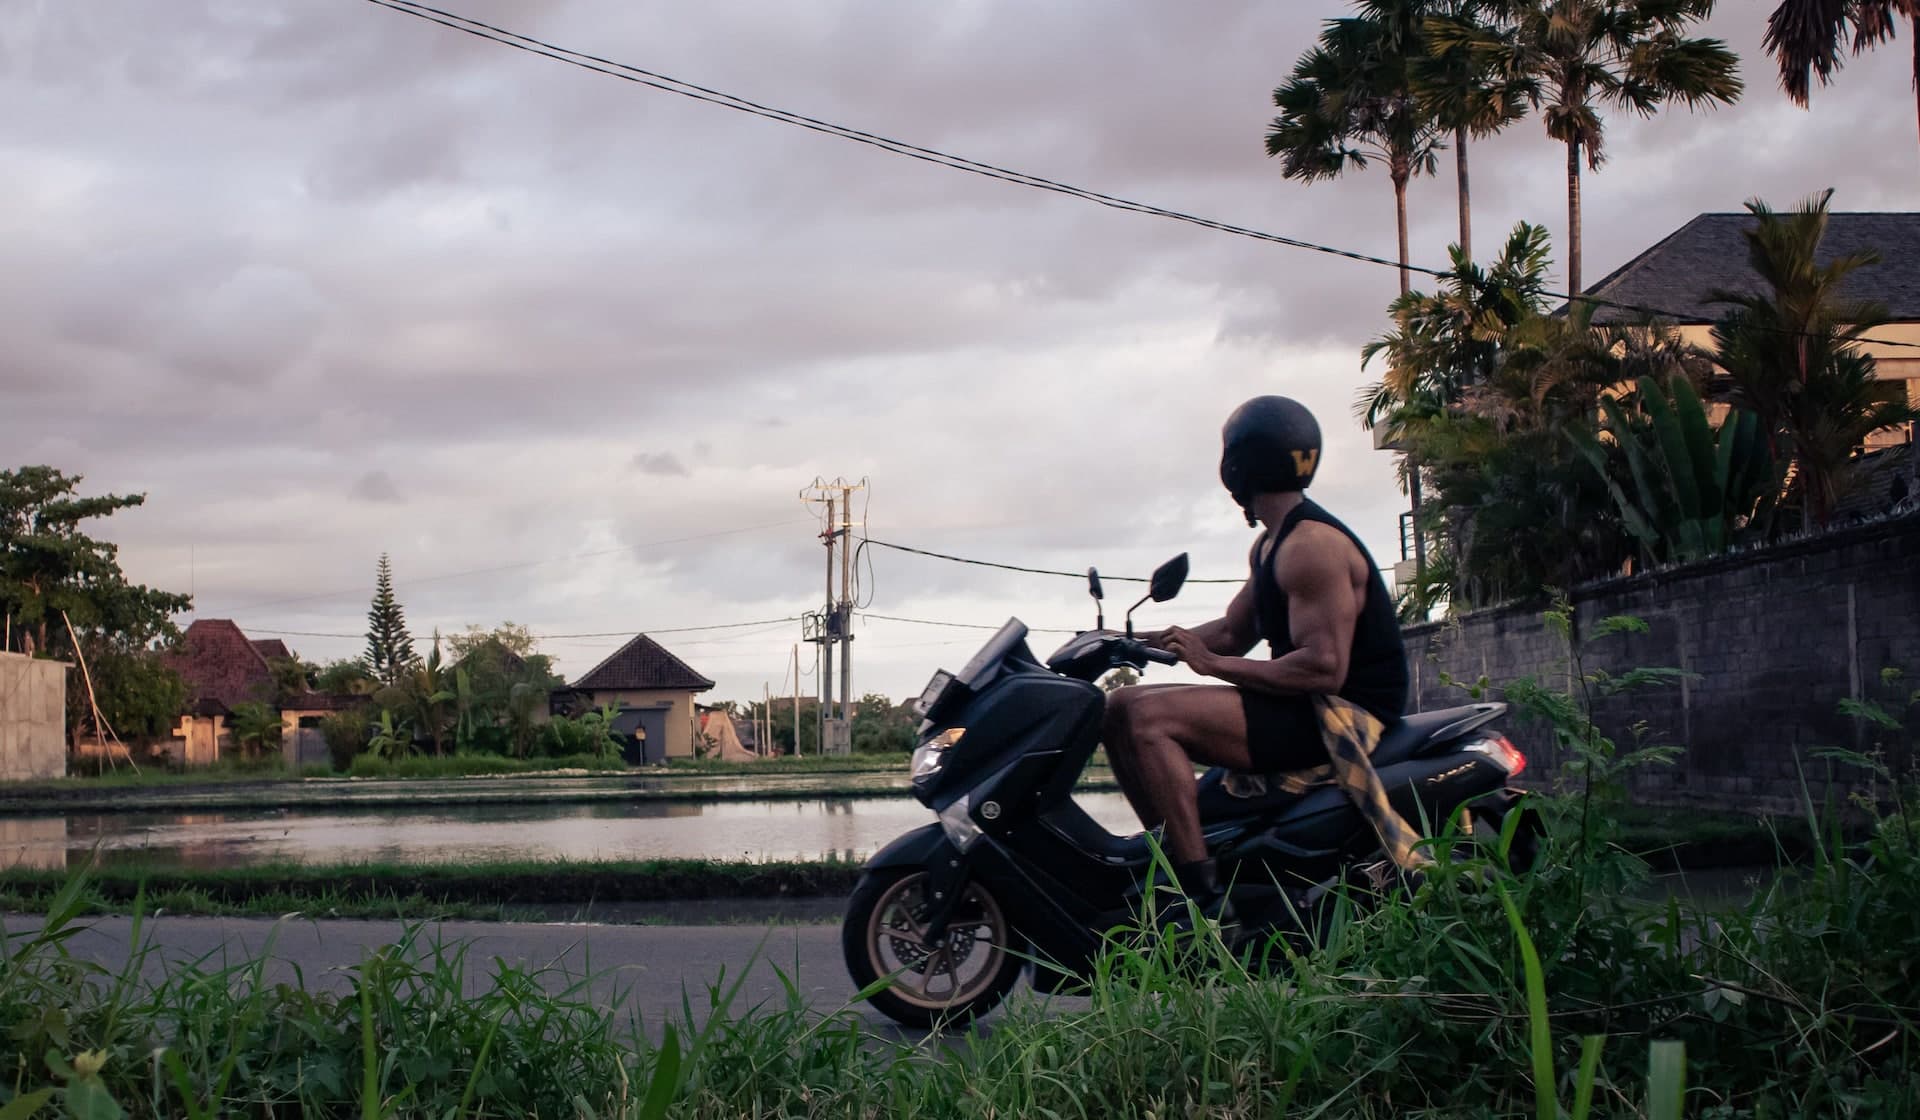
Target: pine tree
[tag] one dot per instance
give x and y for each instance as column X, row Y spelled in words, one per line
column 389, row 646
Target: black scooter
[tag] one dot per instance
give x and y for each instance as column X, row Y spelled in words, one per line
column 1013, row 872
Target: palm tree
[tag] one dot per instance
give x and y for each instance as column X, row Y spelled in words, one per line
column 1459, row 80
column 1350, row 102
column 1804, row 37
column 1444, row 343
column 1793, row 353
column 1578, row 55
column 429, row 697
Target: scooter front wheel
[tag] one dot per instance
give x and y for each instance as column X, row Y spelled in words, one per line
column 954, row 978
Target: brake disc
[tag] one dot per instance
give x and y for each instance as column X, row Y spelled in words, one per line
column 916, row 955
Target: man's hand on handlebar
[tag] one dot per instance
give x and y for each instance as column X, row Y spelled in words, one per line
column 1190, row 648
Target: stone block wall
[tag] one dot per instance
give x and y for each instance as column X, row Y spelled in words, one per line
column 33, row 718
column 1772, row 641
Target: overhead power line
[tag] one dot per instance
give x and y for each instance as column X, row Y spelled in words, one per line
column 960, row 625
column 667, row 84
column 1030, row 571
column 555, row 637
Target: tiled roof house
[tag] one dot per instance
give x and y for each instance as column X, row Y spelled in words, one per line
column 653, row 693
column 1677, row 275
column 221, row 667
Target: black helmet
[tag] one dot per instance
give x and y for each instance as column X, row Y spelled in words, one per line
column 1269, row 444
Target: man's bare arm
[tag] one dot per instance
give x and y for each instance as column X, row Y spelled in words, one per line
column 1230, row 635
column 1314, row 570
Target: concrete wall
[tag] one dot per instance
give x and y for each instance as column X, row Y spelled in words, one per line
column 679, row 714
column 33, row 718
column 1773, row 641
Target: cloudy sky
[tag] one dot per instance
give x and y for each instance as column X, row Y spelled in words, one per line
column 324, row 281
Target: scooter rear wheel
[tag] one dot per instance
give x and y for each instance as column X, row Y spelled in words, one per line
column 954, row 979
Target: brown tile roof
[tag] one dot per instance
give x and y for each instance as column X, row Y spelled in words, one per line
column 641, row 664
column 220, row 666
column 273, row 649
column 1709, row 253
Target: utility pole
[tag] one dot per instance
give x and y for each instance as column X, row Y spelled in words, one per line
column 834, row 624
column 796, row 700
column 825, row 637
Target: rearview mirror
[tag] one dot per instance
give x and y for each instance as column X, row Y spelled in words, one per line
column 1168, row 579
column 1093, row 584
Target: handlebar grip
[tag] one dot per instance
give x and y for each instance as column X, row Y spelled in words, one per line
column 1164, row 657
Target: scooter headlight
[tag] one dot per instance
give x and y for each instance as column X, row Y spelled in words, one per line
column 958, row 823
column 931, row 754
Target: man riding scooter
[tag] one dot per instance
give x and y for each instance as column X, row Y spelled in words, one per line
column 1335, row 679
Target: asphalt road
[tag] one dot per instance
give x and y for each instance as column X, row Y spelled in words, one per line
column 641, row 970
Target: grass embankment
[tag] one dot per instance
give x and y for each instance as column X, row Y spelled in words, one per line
column 788, row 764
column 524, row 889
column 270, row 770
column 530, row 890
column 1484, row 993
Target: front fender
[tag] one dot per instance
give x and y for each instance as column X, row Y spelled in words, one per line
column 926, row 846
column 927, row 849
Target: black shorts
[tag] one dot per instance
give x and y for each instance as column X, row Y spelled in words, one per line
column 1283, row 732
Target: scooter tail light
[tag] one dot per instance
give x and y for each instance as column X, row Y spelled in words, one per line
column 1510, row 756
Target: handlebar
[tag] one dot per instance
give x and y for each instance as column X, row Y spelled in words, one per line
column 1162, row 656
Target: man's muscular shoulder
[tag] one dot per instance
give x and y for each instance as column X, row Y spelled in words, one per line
column 1313, row 555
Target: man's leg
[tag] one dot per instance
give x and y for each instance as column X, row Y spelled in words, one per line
column 1163, row 733
column 1114, row 736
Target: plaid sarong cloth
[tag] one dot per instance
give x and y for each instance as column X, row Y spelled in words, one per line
column 1351, row 733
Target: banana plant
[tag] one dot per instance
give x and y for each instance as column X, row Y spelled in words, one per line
column 1693, row 486
column 429, row 700
column 523, row 701
column 467, row 715
column 391, row 740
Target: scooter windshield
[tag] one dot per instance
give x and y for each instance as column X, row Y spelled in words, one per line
column 1004, row 641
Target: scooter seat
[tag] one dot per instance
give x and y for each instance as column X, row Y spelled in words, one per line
column 1404, row 740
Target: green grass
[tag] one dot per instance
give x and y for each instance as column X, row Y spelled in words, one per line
column 409, row 890
column 1484, row 993
column 124, row 776
column 788, row 764
column 469, row 765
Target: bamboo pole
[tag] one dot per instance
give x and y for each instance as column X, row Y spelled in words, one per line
column 100, row 723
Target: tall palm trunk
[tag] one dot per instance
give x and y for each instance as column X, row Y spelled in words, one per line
column 1914, row 21
column 1464, row 193
column 1573, row 217
column 1400, row 216
column 1401, row 171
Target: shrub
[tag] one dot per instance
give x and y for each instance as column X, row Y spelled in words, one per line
column 346, row 735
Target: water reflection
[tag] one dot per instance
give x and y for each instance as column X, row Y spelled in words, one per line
column 33, row 843
column 840, row 828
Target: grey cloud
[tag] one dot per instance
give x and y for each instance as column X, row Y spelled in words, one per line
column 375, row 486
column 664, row 463
column 254, row 249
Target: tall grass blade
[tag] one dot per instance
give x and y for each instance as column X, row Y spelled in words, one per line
column 665, row 1082
column 183, row 1084
column 1539, row 1033
column 479, row 1063
column 24, row 1106
column 1666, row 1080
column 369, row 1065
column 1589, row 1068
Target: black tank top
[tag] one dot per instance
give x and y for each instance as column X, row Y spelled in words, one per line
column 1377, row 664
